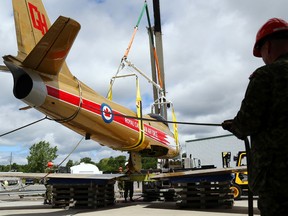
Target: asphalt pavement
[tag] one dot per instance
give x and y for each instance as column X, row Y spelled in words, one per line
column 13, row 205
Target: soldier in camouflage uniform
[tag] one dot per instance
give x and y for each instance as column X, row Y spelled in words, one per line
column 264, row 117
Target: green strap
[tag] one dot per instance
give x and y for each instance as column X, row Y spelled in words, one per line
column 140, row 17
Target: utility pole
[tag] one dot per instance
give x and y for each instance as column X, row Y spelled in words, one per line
column 10, row 162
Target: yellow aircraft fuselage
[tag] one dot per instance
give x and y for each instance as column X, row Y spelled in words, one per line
column 73, row 104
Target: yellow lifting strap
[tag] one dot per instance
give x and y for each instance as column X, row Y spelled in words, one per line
column 141, row 137
column 109, row 96
column 175, row 128
column 139, row 114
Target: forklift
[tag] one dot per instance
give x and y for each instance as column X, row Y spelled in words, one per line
column 240, row 180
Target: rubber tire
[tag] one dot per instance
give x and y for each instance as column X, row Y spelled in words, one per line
column 237, row 191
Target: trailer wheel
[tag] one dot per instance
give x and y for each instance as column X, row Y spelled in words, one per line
column 237, row 191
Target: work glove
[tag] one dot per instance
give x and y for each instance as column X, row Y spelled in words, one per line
column 227, row 125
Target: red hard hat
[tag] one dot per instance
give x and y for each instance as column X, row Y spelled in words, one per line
column 270, row 27
column 50, row 164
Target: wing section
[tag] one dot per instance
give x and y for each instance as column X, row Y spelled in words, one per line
column 49, row 55
column 60, row 175
column 201, row 172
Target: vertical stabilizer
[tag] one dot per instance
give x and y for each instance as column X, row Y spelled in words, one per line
column 31, row 23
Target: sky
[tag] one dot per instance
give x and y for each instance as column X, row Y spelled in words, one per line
column 207, row 60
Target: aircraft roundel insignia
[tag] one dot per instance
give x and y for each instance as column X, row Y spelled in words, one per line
column 106, row 113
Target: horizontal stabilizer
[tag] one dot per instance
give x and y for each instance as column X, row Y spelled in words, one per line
column 4, row 68
column 49, row 55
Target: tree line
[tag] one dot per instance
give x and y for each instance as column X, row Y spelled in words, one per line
column 42, row 152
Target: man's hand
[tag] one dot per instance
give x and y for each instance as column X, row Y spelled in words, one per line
column 227, row 124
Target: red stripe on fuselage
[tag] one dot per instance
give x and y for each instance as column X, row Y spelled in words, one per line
column 118, row 117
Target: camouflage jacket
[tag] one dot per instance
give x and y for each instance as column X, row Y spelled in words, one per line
column 264, row 117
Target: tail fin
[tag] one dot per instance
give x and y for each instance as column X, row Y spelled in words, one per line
column 49, row 55
column 31, row 23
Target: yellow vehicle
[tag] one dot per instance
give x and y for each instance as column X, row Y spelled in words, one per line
column 240, row 180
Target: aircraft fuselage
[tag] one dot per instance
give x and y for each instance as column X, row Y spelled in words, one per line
column 75, row 105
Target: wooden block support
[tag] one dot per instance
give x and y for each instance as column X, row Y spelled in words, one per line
column 83, row 195
column 205, row 194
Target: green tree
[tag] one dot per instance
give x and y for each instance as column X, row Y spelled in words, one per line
column 40, row 154
column 111, row 164
column 69, row 164
column 14, row 167
column 149, row 163
column 87, row 160
column 120, row 161
column 23, row 168
column 4, row 168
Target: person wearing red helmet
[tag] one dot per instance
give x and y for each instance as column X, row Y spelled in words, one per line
column 263, row 116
